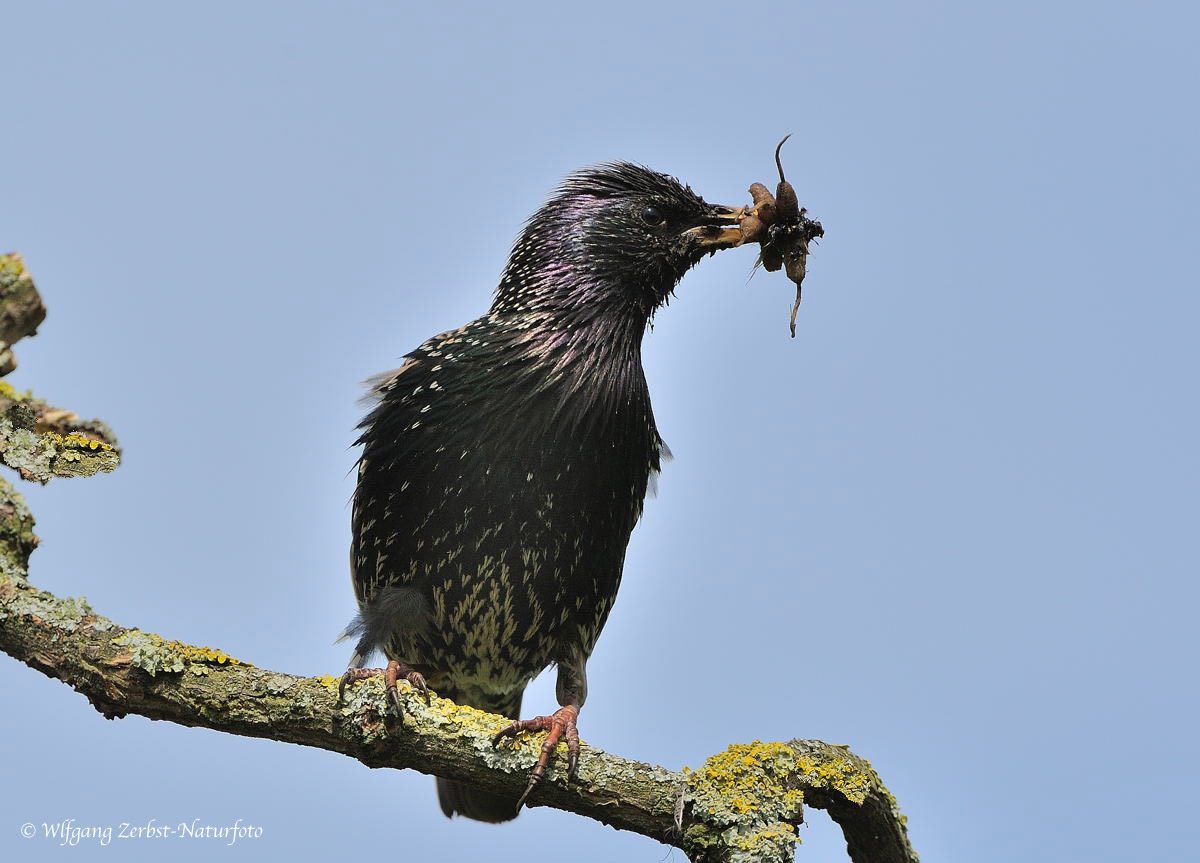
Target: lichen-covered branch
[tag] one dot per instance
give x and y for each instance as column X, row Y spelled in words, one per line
column 21, row 308
column 38, row 440
column 42, row 442
column 741, row 805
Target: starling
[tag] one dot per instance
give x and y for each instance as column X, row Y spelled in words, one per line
column 505, row 464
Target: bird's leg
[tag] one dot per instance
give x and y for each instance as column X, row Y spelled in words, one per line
column 391, row 675
column 571, row 690
column 559, row 723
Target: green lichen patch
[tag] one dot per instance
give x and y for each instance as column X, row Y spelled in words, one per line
column 68, row 612
column 17, row 540
column 153, row 653
column 64, row 614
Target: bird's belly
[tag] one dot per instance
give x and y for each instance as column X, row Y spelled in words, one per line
column 518, row 584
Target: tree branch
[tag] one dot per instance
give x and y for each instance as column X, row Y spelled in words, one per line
column 21, row 308
column 744, row 804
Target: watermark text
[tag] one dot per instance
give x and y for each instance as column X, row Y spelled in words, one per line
column 70, row 832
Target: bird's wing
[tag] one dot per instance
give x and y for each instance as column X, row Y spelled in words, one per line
column 413, row 439
column 363, row 563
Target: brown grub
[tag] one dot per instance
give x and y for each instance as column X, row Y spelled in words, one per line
column 783, row 230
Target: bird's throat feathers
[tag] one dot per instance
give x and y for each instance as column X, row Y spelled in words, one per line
column 565, row 271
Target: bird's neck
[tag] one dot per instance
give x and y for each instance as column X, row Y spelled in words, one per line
column 554, row 279
column 592, row 350
column 585, row 358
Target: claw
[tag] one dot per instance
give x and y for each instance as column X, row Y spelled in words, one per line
column 391, row 675
column 417, row 681
column 353, row 674
column 561, row 722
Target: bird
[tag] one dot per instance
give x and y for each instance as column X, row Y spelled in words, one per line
column 506, row 462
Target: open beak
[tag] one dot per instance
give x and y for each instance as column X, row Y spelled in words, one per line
column 721, row 230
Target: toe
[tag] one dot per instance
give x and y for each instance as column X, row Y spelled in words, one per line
column 417, row 681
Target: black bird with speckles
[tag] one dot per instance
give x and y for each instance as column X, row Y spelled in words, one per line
column 504, row 465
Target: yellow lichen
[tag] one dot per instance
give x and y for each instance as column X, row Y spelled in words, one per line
column 750, row 797
column 846, row 777
column 746, row 776
column 8, row 391
column 773, row 835
column 153, row 653
column 81, row 441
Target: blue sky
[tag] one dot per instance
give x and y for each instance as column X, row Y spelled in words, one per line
column 952, row 524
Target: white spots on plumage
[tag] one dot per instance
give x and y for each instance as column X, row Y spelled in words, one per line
column 478, row 607
column 425, row 409
column 529, row 477
column 404, row 485
column 483, row 537
column 535, row 618
column 531, row 558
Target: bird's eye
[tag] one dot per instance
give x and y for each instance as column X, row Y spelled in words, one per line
column 653, row 216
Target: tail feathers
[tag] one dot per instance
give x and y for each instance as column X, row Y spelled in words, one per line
column 470, row 802
column 457, row 798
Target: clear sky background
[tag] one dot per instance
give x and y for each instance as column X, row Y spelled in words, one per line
column 952, row 524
